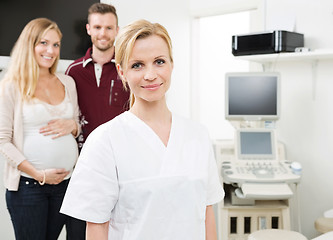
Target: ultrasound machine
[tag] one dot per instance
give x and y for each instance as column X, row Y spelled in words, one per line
column 260, row 182
column 254, row 162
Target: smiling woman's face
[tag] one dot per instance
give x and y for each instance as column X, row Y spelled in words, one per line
column 149, row 69
column 47, row 49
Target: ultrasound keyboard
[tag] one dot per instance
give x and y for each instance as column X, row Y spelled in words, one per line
column 269, row 171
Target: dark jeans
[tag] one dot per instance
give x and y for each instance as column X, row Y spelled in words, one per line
column 34, row 210
column 76, row 229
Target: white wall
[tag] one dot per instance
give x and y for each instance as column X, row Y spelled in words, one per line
column 307, row 115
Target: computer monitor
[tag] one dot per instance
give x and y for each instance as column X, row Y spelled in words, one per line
column 252, row 96
column 258, row 144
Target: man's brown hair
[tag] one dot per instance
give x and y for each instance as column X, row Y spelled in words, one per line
column 102, row 8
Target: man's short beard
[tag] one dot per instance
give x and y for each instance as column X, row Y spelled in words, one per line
column 103, row 49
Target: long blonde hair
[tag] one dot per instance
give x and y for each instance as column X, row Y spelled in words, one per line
column 126, row 39
column 23, row 69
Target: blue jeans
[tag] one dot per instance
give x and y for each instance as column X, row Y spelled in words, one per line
column 34, row 210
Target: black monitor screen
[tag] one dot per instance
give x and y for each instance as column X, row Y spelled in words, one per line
column 252, row 96
column 71, row 17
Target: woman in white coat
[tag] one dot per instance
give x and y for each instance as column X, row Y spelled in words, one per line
column 147, row 174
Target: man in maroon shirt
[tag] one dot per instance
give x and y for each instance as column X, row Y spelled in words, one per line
column 101, row 94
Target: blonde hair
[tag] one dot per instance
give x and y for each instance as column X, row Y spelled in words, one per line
column 126, row 39
column 23, row 69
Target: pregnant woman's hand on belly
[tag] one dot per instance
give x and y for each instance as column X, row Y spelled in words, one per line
column 59, row 128
column 55, row 176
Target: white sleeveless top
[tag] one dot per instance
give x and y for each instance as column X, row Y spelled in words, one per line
column 41, row 151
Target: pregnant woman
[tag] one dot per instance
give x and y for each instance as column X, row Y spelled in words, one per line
column 38, row 126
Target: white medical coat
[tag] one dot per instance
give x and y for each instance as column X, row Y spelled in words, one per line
column 126, row 175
